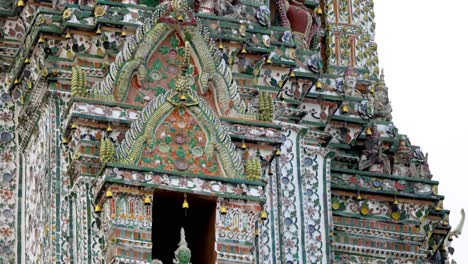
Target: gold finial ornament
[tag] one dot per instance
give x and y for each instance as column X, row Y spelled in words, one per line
column 97, row 209
column 109, row 194
column 147, row 200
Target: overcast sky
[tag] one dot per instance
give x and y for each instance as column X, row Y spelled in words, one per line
column 422, row 46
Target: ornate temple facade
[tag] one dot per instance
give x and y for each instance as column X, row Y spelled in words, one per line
column 206, row 131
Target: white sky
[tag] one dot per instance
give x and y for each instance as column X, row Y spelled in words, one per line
column 422, row 46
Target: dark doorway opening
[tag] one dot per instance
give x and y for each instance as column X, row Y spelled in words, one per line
column 198, row 222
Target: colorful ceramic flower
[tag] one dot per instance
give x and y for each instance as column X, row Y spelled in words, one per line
column 263, row 16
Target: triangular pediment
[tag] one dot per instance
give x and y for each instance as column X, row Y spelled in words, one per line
column 180, row 139
column 149, row 64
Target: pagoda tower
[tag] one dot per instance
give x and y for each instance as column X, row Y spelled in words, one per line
column 227, row 131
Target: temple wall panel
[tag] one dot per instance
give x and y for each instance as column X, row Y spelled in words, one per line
column 10, row 179
column 40, row 189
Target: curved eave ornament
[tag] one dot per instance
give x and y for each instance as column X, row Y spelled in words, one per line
column 142, row 131
column 137, row 49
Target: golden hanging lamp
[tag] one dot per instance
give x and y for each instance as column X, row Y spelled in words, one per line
column 73, row 126
column 395, row 202
column 20, row 3
column 318, row 86
column 369, row 131
column 65, row 141
column 223, row 210
column 372, row 91
column 27, row 61
column 180, row 18
column 268, row 60
column 109, row 129
column 243, row 51
column 292, row 74
column 98, row 31
column 16, row 81
column 30, row 85
column 243, row 147
column 220, row 46
column 109, row 194
column 264, row 215
column 345, row 109
column 183, row 98
column 41, row 40
column 319, row 11
column 123, row 34
column 359, row 198
column 281, row 96
column 185, row 204
column 270, row 172
column 97, row 209
column 364, row 210
column 278, row 152
column 147, row 200
column 68, row 35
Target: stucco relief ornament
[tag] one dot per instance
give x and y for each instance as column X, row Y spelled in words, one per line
column 382, row 107
column 401, row 161
column 304, row 23
column 206, row 6
column 373, row 156
column 350, row 78
column 228, row 8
